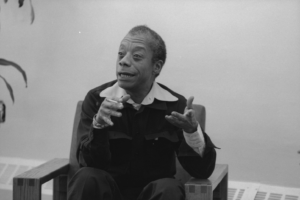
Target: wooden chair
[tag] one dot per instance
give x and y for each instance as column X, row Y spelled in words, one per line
column 27, row 186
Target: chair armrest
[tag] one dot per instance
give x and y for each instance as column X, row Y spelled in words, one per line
column 29, row 183
column 215, row 186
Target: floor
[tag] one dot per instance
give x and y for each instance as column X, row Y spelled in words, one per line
column 10, row 167
column 7, row 195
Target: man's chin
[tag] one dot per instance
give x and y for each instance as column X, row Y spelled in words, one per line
column 125, row 85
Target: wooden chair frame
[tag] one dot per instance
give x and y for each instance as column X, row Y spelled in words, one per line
column 27, row 186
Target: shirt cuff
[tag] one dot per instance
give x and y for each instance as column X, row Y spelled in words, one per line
column 196, row 140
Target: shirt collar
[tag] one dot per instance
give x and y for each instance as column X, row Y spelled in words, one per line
column 156, row 92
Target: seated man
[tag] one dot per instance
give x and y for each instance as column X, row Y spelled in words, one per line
column 132, row 127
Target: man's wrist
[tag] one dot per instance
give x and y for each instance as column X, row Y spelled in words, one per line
column 195, row 139
column 192, row 130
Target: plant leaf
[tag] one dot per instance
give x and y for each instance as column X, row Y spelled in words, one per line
column 7, row 62
column 21, row 2
column 9, row 89
column 32, row 12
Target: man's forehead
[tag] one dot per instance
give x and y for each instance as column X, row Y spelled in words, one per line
column 141, row 39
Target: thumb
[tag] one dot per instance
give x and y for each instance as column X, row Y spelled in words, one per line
column 189, row 103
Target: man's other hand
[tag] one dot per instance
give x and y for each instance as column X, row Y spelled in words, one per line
column 186, row 121
column 110, row 108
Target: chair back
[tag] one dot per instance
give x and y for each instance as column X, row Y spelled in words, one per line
column 181, row 174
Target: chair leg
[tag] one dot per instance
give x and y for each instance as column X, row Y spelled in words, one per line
column 60, row 187
column 221, row 192
column 26, row 189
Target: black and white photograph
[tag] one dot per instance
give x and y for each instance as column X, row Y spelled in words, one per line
column 150, row 100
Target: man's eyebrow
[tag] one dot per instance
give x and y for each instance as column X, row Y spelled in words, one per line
column 122, row 45
column 139, row 48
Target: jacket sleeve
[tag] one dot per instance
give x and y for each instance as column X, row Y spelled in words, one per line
column 93, row 144
column 197, row 166
column 193, row 163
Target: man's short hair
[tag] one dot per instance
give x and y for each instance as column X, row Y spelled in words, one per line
column 157, row 44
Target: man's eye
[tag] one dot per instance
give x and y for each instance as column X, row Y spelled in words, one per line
column 137, row 56
column 121, row 54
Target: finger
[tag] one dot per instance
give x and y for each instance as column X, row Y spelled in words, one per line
column 170, row 119
column 178, row 116
column 125, row 98
column 174, row 121
column 108, row 121
column 187, row 118
column 112, row 104
column 189, row 103
column 189, row 113
column 109, row 112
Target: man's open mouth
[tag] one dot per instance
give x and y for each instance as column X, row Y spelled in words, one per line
column 126, row 75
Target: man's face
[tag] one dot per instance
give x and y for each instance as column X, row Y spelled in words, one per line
column 134, row 63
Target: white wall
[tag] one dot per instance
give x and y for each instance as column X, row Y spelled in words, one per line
column 238, row 58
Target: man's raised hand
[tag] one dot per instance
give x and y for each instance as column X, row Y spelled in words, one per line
column 186, row 121
column 110, row 108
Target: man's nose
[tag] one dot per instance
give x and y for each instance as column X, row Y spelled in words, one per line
column 125, row 62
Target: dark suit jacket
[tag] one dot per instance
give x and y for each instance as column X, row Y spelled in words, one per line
column 141, row 145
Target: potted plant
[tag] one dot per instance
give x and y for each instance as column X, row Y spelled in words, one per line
column 5, row 62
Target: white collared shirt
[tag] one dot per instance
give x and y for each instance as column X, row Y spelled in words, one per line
column 156, row 92
column 194, row 140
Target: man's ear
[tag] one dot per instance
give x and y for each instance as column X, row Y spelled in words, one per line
column 157, row 67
